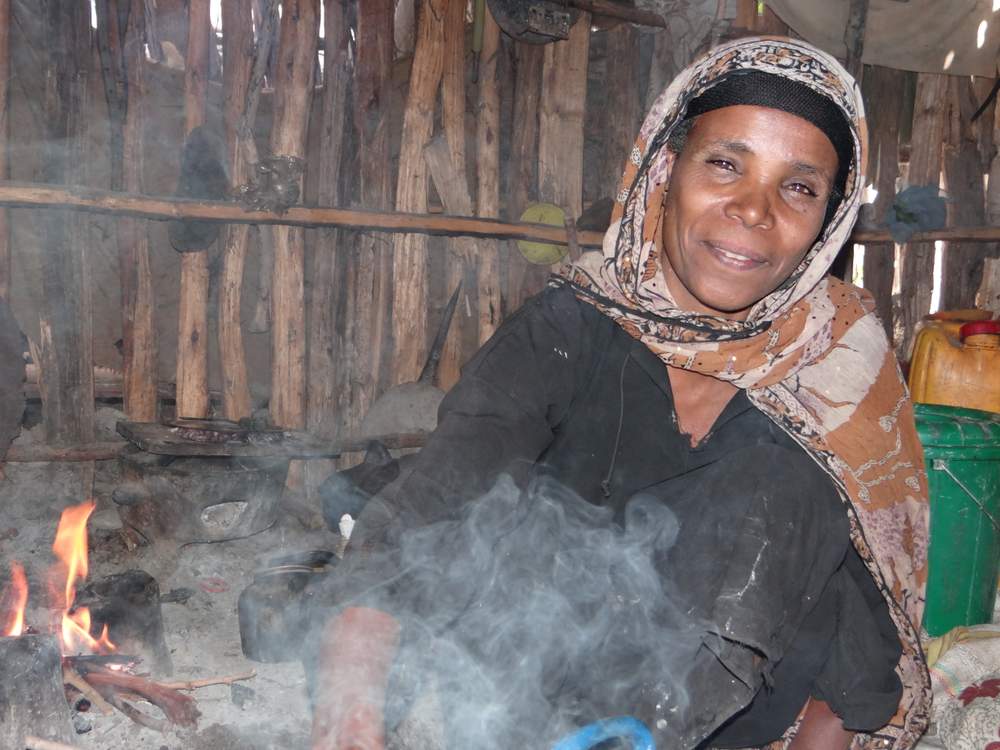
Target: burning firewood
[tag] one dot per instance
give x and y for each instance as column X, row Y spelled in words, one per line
column 176, row 706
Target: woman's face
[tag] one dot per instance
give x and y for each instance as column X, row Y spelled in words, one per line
column 746, row 201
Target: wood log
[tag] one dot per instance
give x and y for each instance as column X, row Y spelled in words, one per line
column 179, row 708
column 560, row 135
column 885, row 87
column 138, row 332
column 524, row 278
column 962, row 263
column 31, row 691
column 240, row 55
column 323, row 362
column 110, row 38
column 453, row 189
column 124, row 204
column 192, row 323
column 367, row 273
column 102, row 451
column 66, row 359
column 623, row 12
column 450, row 166
column 268, row 31
column 409, row 259
column 621, row 113
column 293, row 99
column 854, row 37
column 5, row 78
column 488, row 302
column 989, row 291
column 453, row 82
column 917, row 266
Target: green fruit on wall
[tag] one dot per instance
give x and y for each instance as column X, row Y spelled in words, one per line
column 543, row 253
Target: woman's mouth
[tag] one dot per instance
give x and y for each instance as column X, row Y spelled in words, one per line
column 737, row 258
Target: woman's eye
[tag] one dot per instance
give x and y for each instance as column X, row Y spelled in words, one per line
column 723, row 164
column 802, row 188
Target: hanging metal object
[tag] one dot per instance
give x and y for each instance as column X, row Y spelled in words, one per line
column 535, row 21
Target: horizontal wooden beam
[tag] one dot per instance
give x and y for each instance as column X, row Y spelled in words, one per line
column 33, row 195
column 945, row 234
column 624, row 12
column 111, row 449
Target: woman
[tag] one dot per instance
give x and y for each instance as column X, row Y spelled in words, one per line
column 704, row 363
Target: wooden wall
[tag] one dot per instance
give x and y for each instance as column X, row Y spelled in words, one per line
column 316, row 324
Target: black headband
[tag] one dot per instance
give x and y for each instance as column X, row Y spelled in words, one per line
column 761, row 89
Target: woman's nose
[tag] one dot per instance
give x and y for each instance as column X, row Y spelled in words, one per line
column 751, row 205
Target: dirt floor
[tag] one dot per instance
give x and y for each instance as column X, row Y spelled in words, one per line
column 202, row 633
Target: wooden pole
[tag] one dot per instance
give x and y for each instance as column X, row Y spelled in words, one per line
column 560, row 135
column 5, row 77
column 192, row 324
column 488, row 171
column 453, row 188
column 917, row 268
column 885, row 87
column 32, row 195
column 854, row 37
column 962, row 263
column 293, row 99
column 66, row 367
column 447, row 169
column 138, row 331
column 621, row 112
column 524, row 278
column 323, row 359
column 367, row 273
column 409, row 259
column 239, row 54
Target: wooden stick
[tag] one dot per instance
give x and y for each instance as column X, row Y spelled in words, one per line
column 487, row 265
column 161, row 207
column 138, row 303
column 102, row 451
column 409, row 256
column 614, row 10
column 916, row 270
column 178, row 708
column 238, row 53
column 72, row 677
column 367, row 272
column 192, row 319
column 33, row 195
column 560, row 135
column 37, row 743
column 524, row 278
column 5, row 78
column 206, row 681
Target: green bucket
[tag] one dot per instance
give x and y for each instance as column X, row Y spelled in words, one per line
column 962, row 454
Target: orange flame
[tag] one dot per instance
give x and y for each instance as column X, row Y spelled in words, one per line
column 14, row 601
column 70, row 546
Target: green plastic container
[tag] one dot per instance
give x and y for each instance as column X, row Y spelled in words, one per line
column 962, row 453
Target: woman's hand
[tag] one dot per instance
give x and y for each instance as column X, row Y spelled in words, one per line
column 821, row 729
column 356, row 652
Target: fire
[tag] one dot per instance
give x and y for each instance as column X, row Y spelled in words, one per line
column 13, row 602
column 70, row 546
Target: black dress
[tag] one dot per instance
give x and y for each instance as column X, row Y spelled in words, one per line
column 759, row 599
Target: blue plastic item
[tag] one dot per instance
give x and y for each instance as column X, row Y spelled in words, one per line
column 621, row 728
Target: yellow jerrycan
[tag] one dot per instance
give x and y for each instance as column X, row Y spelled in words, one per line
column 957, row 364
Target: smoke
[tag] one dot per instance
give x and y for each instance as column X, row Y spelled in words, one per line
column 535, row 612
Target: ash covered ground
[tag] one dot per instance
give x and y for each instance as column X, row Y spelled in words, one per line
column 202, row 634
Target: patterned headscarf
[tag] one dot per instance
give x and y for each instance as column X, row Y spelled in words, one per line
column 811, row 355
